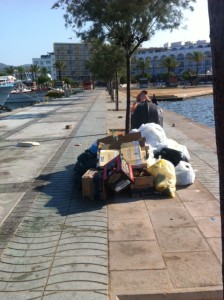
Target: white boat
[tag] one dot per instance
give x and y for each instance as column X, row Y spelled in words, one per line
column 23, row 94
column 7, row 84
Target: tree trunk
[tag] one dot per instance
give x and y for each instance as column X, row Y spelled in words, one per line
column 117, row 96
column 128, row 66
column 216, row 19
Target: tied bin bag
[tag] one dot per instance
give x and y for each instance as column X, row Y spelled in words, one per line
column 185, row 174
column 174, row 156
column 164, row 175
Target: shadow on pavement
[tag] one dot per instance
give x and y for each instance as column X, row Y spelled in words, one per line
column 67, row 198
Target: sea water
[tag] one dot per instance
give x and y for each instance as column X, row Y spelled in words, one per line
column 199, row 109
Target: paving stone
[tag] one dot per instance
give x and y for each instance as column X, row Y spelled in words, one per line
column 135, row 255
column 138, row 282
column 195, row 194
column 209, row 226
column 127, row 210
column 28, row 295
column 171, row 217
column 181, row 239
column 86, row 264
column 193, row 269
column 200, row 209
column 216, row 245
column 133, row 229
column 78, row 295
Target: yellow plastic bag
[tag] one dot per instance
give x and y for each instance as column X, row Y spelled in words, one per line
column 164, row 175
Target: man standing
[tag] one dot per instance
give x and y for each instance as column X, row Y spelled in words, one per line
column 154, row 100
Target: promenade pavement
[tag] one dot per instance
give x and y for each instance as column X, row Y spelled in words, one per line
column 55, row 245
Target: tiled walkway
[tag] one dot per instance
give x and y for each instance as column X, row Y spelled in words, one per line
column 54, row 245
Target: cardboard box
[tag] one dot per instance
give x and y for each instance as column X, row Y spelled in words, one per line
column 93, row 187
column 134, row 154
column 117, row 174
column 104, row 156
column 129, row 137
column 142, row 178
column 116, row 141
column 107, row 140
column 143, row 184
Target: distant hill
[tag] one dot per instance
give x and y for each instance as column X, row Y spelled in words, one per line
column 2, row 66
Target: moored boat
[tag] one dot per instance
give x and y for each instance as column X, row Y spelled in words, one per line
column 7, row 84
column 22, row 94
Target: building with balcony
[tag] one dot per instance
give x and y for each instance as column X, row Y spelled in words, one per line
column 74, row 56
column 47, row 61
column 181, row 52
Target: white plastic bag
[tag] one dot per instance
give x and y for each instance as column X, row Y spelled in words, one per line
column 153, row 133
column 185, row 174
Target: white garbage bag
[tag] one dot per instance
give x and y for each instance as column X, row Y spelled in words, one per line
column 153, row 133
column 185, row 174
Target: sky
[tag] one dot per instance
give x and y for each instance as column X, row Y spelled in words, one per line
column 29, row 28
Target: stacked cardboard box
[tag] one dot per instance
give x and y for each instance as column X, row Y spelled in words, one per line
column 93, row 187
column 118, row 158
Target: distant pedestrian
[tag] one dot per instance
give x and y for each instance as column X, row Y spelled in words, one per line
column 154, row 99
column 141, row 97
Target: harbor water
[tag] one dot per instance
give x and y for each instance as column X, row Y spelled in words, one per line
column 199, row 109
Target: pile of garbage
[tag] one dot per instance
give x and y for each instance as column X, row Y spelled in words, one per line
column 143, row 162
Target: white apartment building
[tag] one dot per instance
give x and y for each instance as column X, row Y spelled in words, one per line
column 47, row 61
column 181, row 52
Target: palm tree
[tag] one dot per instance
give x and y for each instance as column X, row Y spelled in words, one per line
column 59, row 66
column 34, row 69
column 169, row 63
column 143, row 65
column 21, row 71
column 44, row 71
column 9, row 70
column 197, row 57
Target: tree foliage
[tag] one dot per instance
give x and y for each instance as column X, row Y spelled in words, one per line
column 9, row 70
column 59, row 66
column 126, row 23
column 34, row 69
column 141, row 65
column 197, row 57
column 169, row 63
column 105, row 59
column 20, row 71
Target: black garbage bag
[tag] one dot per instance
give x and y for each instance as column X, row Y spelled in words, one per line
column 85, row 161
column 146, row 112
column 174, row 156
